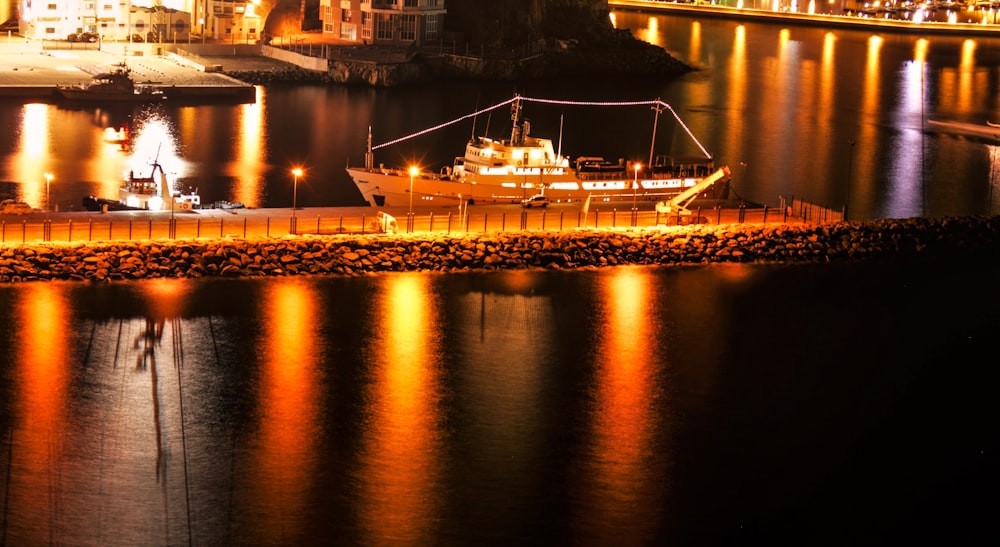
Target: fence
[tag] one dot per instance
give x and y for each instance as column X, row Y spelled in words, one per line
column 77, row 227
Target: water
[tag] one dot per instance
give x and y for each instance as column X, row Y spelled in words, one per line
column 839, row 404
column 780, row 105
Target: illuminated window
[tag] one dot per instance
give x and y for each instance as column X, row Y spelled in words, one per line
column 383, row 27
column 366, row 25
column 431, row 27
column 345, row 15
column 409, row 30
column 52, row 7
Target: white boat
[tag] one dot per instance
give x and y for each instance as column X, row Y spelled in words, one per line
column 153, row 193
column 510, row 170
column 989, row 131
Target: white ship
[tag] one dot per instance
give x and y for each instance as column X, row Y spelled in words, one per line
column 510, row 170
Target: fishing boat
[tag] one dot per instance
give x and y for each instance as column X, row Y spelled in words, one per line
column 513, row 169
column 146, row 193
column 115, row 85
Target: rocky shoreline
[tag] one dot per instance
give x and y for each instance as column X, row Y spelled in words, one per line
column 436, row 252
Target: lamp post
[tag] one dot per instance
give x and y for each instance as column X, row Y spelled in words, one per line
column 48, row 183
column 413, row 172
column 635, row 188
column 296, row 173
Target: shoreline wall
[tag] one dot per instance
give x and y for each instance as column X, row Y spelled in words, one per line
column 431, row 252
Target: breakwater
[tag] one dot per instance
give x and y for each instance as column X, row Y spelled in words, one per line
column 435, row 252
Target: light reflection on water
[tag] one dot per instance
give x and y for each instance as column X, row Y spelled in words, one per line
column 626, row 406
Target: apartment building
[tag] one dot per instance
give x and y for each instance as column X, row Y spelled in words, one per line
column 383, row 22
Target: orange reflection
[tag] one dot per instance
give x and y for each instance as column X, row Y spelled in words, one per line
column 33, row 155
column 43, row 382
column 250, row 150
column 695, row 54
column 737, row 113
column 653, row 32
column 966, row 76
column 622, row 466
column 285, row 456
column 864, row 162
column 399, row 466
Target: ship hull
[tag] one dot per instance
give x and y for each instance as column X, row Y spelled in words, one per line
column 386, row 187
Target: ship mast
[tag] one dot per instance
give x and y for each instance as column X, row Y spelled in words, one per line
column 658, row 107
column 515, row 116
column 369, row 156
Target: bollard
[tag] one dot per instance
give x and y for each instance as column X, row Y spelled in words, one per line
column 130, row 230
column 765, row 214
column 486, row 226
column 69, row 235
column 340, row 227
column 24, row 231
column 503, row 220
column 109, row 230
column 561, row 214
column 149, row 231
column 222, row 222
column 431, row 228
column 197, row 232
column 543, row 220
column 614, row 218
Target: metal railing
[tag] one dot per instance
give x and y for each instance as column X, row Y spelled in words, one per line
column 159, row 227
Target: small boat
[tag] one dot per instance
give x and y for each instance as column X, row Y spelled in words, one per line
column 989, row 132
column 115, row 85
column 146, row 193
column 510, row 170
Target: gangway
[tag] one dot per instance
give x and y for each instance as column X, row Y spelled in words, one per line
column 678, row 204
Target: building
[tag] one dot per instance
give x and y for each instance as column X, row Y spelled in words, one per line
column 383, row 22
column 157, row 21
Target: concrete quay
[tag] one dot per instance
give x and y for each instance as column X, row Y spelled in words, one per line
column 30, row 72
column 458, row 251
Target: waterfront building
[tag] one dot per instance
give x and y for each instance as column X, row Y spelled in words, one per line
column 157, row 21
column 383, row 22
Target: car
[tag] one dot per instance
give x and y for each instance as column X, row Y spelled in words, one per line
column 9, row 206
column 136, row 38
column 535, row 201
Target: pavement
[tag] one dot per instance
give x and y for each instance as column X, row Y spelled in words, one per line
column 24, row 65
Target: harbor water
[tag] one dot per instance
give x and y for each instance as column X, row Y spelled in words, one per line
column 805, row 404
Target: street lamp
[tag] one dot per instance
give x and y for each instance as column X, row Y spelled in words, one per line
column 48, row 182
column 413, row 172
column 296, row 173
column 635, row 188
